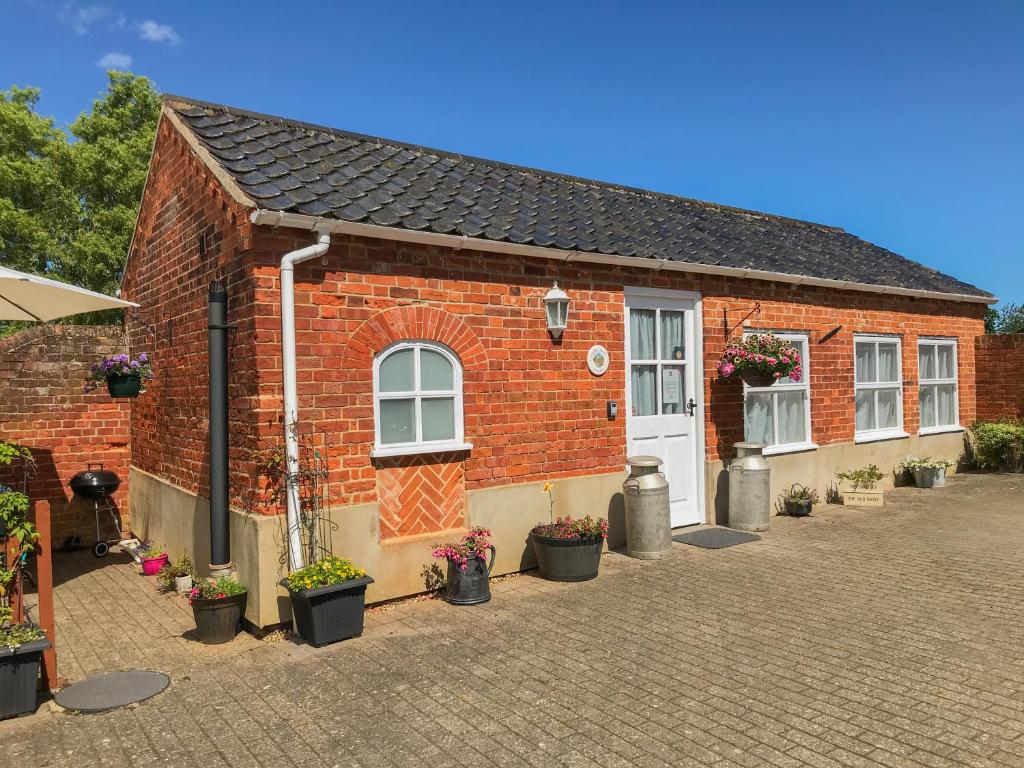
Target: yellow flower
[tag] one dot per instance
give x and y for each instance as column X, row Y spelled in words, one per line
column 547, row 487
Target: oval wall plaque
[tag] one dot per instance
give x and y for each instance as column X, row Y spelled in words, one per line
column 597, row 360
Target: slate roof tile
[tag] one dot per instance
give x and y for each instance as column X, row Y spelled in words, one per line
column 291, row 166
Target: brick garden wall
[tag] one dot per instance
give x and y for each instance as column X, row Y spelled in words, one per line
column 1000, row 362
column 43, row 407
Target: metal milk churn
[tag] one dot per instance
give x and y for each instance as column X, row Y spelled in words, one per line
column 749, row 489
column 648, row 528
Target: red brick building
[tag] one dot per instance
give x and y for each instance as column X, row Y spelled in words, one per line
column 425, row 363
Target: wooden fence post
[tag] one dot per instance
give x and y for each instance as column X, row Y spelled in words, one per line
column 44, row 578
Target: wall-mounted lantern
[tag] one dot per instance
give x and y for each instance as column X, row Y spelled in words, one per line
column 556, row 304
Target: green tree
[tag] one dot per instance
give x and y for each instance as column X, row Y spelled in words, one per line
column 1007, row 319
column 68, row 204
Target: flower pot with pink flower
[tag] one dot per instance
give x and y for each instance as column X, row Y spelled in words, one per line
column 218, row 606
column 759, row 360
column 468, row 572
column 153, row 559
column 568, row 549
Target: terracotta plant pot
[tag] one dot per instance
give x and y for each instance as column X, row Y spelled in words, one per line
column 151, row 565
column 19, row 678
column 328, row 614
column 567, row 559
column 217, row 619
column 124, row 385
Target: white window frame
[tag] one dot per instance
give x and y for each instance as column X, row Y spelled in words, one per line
column 786, row 385
column 870, row 435
column 929, row 341
column 418, row 394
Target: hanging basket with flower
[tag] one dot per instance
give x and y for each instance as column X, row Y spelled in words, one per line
column 123, row 376
column 760, row 360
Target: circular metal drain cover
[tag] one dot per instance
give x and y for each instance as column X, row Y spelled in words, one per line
column 112, row 690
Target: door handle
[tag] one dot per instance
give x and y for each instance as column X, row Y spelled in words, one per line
column 691, row 406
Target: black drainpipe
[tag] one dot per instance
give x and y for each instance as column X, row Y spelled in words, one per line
column 217, row 331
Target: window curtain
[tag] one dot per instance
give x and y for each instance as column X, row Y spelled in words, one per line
column 758, row 421
column 671, row 335
column 643, row 389
column 641, row 334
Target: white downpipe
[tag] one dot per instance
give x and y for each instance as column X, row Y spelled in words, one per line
column 291, row 395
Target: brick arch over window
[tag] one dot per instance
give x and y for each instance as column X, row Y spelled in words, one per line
column 414, row 323
column 421, row 493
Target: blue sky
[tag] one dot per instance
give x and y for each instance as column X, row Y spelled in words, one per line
column 902, row 122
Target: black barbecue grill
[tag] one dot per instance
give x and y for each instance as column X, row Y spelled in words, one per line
column 97, row 486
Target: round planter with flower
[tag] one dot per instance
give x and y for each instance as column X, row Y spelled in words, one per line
column 468, row 572
column 153, row 558
column 569, row 550
column 123, row 376
column 328, row 598
column 218, row 606
column 759, row 360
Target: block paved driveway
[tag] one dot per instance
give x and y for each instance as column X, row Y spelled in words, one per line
column 856, row 637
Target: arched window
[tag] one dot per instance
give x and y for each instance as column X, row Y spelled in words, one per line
column 417, row 399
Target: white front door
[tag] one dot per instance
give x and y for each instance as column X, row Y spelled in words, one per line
column 664, row 392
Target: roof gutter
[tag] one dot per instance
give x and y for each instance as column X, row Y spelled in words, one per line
column 461, row 242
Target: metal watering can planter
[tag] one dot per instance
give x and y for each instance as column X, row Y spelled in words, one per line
column 471, row 586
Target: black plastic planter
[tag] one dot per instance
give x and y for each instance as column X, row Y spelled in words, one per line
column 19, row 678
column 217, row 619
column 123, row 385
column 328, row 614
column 471, row 586
column 567, row 559
column 797, row 507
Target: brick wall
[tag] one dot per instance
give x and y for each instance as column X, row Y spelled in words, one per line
column 43, row 407
column 532, row 409
column 189, row 233
column 1000, row 364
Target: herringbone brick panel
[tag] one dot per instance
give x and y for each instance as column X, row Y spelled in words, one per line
column 421, row 495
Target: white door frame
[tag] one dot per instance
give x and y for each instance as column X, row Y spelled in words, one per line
column 699, row 448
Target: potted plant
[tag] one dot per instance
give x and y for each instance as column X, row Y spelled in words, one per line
column 153, row 558
column 760, row 359
column 21, row 651
column 798, row 500
column 328, row 598
column 123, row 376
column 218, row 606
column 468, row 571
column 859, row 487
column 567, row 549
column 927, row 472
column 177, row 576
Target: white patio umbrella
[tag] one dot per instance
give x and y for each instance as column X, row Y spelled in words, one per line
column 30, row 297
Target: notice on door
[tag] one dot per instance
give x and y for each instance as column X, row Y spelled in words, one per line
column 671, row 385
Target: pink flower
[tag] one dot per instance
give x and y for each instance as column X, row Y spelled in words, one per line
column 778, row 375
column 727, row 369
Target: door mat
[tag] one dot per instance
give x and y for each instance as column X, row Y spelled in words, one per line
column 716, row 538
column 112, row 690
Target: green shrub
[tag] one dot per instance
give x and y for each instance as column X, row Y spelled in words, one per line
column 998, row 445
column 865, row 478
